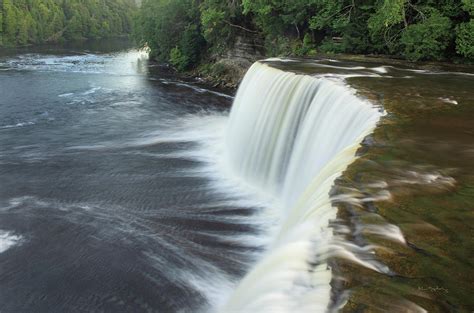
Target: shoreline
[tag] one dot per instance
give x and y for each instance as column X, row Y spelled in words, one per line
column 230, row 74
column 64, row 42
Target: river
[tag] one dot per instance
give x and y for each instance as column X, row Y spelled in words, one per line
column 107, row 201
column 124, row 188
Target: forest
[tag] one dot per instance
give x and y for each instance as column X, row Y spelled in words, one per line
column 24, row 22
column 185, row 32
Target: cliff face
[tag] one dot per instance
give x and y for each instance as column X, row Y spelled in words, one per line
column 246, row 49
column 228, row 69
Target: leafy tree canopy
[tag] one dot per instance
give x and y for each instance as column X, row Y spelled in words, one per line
column 411, row 29
column 38, row 21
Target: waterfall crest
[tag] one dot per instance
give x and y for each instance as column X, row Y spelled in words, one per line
column 291, row 136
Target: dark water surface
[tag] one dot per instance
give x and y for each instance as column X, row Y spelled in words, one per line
column 107, row 202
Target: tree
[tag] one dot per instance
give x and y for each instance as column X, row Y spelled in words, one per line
column 38, row 21
column 427, row 39
column 10, row 21
column 413, row 29
column 171, row 28
column 465, row 32
column 222, row 21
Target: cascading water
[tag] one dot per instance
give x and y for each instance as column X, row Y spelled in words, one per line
column 291, row 136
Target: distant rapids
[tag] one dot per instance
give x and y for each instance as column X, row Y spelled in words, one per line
column 290, row 136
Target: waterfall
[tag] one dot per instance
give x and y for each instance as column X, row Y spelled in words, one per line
column 291, row 136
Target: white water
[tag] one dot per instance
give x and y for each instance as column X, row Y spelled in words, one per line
column 291, row 136
column 8, row 240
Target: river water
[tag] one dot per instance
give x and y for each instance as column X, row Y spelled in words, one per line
column 108, row 198
column 115, row 195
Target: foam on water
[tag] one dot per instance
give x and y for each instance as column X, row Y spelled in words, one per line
column 84, row 63
column 8, row 240
column 21, row 124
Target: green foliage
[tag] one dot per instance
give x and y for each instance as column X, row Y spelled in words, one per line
column 387, row 14
column 468, row 5
column 279, row 17
column 427, row 39
column 221, row 20
column 465, row 32
column 38, row 21
column 330, row 46
column 178, row 59
column 278, row 46
column 214, row 24
column 386, row 25
column 465, row 39
column 332, row 16
column 413, row 29
column 171, row 28
column 191, row 45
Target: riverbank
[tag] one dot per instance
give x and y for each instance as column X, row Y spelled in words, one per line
column 102, row 45
column 227, row 73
